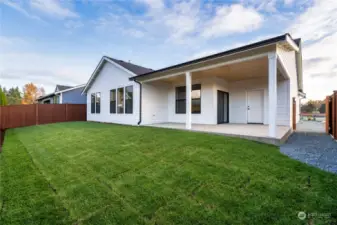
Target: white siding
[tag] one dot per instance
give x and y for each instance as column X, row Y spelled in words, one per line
column 288, row 59
column 238, row 100
column 111, row 77
column 154, row 103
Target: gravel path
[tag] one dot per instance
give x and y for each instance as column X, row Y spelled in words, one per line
column 317, row 150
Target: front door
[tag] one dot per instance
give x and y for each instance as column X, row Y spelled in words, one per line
column 255, row 106
column 223, row 98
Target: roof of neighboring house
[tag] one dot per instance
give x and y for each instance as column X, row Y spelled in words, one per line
column 70, row 89
column 136, row 69
column 45, row 96
column 62, row 87
column 228, row 52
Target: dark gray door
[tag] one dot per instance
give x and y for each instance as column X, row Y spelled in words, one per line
column 223, row 107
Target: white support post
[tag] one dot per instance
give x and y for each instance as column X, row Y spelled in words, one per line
column 188, row 100
column 272, row 92
column 60, row 98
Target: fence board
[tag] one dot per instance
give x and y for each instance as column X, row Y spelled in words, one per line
column 331, row 114
column 28, row 115
column 294, row 114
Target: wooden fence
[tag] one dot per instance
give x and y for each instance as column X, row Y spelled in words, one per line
column 28, row 115
column 331, row 114
column 294, row 113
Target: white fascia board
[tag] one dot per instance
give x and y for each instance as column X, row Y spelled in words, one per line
column 292, row 43
column 283, row 68
column 98, row 69
column 93, row 75
column 70, row 89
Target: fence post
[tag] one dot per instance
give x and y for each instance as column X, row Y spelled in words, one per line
column 0, row 118
column 37, row 114
column 334, row 114
column 327, row 122
column 66, row 112
column 294, row 113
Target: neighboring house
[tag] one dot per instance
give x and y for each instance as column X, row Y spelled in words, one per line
column 64, row 94
column 253, row 84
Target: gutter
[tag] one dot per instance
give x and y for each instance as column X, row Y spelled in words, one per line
column 140, row 102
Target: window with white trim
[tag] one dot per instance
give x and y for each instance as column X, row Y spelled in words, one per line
column 120, row 100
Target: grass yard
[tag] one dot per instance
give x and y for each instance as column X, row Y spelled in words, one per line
column 91, row 173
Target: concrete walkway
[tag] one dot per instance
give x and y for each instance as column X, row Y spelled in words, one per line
column 318, row 150
column 311, row 126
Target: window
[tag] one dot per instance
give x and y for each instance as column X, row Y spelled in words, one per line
column 56, row 99
column 92, row 103
column 195, row 97
column 98, row 102
column 120, row 100
column 129, row 99
column 113, row 101
column 181, row 99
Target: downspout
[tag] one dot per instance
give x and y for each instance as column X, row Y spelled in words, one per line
column 140, row 101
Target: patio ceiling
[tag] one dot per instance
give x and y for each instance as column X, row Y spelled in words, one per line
column 256, row 68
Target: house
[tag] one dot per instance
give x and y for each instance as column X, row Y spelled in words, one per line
column 246, row 91
column 64, row 94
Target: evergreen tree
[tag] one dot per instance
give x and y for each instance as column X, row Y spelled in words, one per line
column 3, row 99
column 14, row 96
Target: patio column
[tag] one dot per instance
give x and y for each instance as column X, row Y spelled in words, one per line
column 188, row 77
column 272, row 93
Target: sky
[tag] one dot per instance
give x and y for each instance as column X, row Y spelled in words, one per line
column 51, row 42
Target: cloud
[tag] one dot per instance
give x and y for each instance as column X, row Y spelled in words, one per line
column 53, row 8
column 317, row 21
column 184, row 22
column 317, row 26
column 42, row 68
column 324, row 75
column 232, row 19
column 73, row 24
column 19, row 7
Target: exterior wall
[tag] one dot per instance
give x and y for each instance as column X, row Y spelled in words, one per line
column 111, row 77
column 208, row 108
column 238, row 100
column 288, row 58
column 154, row 102
column 74, row 97
column 159, row 101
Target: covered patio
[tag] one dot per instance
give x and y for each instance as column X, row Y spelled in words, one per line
column 246, row 92
column 257, row 132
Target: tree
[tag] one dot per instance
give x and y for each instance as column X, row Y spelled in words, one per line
column 14, row 96
column 322, row 108
column 3, row 99
column 30, row 93
column 312, row 106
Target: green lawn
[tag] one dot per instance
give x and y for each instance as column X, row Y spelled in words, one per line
column 91, row 173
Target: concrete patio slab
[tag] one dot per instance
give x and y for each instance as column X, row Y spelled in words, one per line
column 255, row 132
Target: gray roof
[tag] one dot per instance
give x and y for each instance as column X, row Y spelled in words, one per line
column 45, row 96
column 136, row 69
column 62, row 87
column 298, row 41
